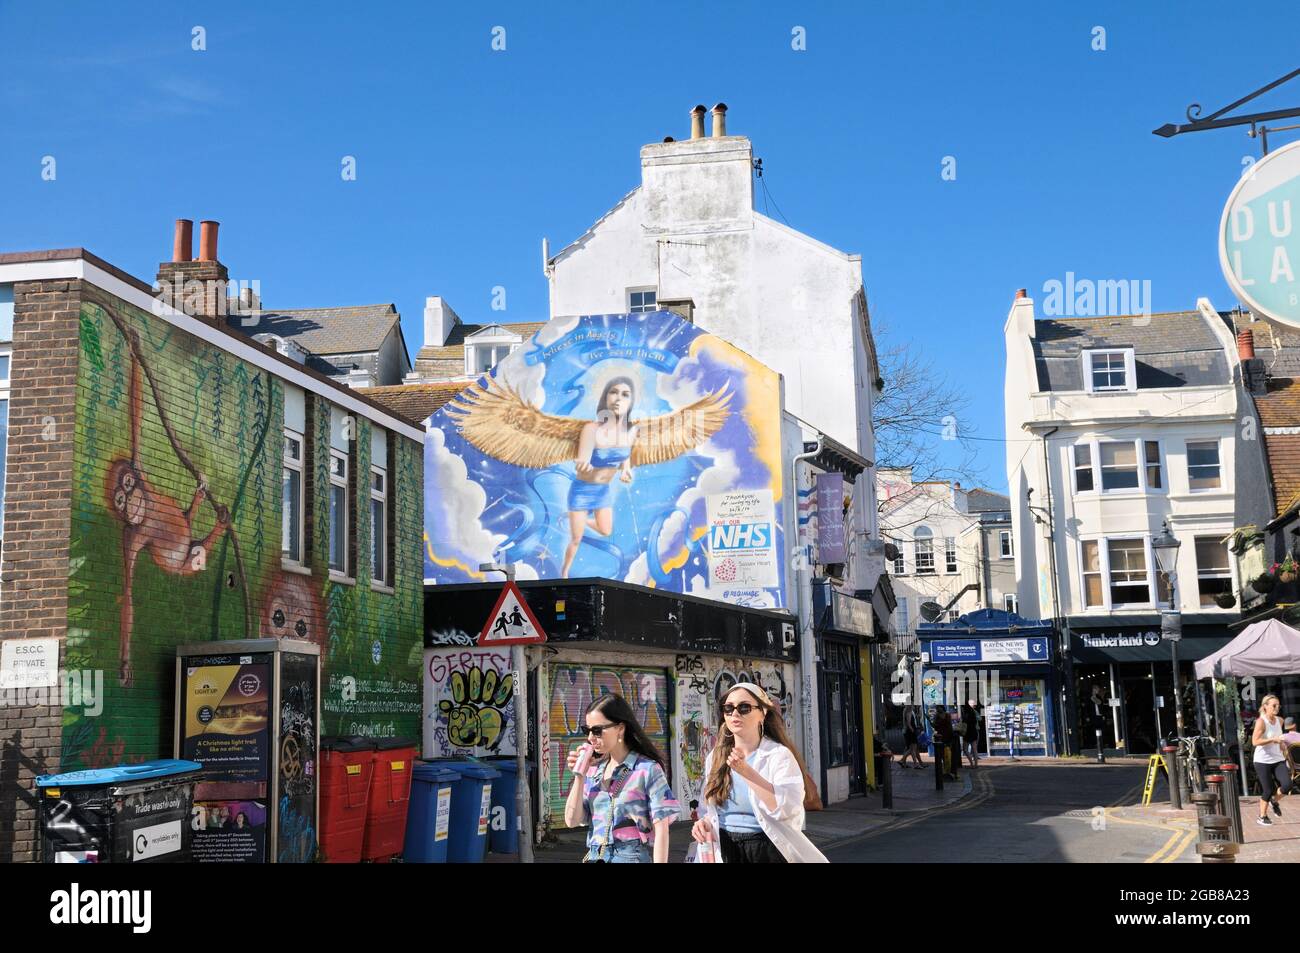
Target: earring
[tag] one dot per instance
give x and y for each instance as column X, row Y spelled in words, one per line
column 726, row 731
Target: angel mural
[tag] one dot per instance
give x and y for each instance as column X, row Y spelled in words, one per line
column 500, row 423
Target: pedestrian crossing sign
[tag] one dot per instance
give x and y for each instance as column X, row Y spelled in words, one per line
column 511, row 622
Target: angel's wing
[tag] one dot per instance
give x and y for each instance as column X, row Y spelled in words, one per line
column 506, row 427
column 663, row 438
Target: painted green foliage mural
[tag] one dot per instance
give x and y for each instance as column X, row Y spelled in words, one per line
column 176, row 516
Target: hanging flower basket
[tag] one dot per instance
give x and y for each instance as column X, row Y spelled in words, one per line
column 1225, row 600
column 1286, row 569
column 1264, row 582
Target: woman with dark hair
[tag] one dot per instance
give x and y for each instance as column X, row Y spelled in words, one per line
column 604, row 451
column 620, row 787
column 753, row 804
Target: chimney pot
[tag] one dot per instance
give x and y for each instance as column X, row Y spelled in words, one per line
column 669, row 139
column 1022, row 293
column 183, row 241
column 208, row 240
column 1246, row 344
column 697, row 122
column 719, row 120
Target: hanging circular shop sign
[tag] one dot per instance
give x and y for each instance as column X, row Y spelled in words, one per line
column 1259, row 245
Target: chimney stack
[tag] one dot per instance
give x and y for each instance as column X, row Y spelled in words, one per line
column 183, row 242
column 208, row 240
column 719, row 120
column 1246, row 344
column 196, row 288
column 697, row 122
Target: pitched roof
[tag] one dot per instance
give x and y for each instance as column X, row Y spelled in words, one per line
column 415, row 401
column 986, row 501
column 1173, row 349
column 348, row 330
column 455, row 344
column 1279, row 409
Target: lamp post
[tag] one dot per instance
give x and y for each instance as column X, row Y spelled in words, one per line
column 523, row 803
column 1166, row 549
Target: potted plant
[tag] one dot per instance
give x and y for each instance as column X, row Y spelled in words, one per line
column 1286, row 569
column 1225, row 600
column 1264, row 582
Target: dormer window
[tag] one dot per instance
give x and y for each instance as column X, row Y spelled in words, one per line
column 1109, row 371
column 486, row 348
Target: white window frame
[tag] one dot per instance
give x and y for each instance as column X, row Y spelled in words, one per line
column 917, row 563
column 950, row 556
column 1103, row 561
column 899, row 565
column 295, row 466
column 379, row 572
column 1230, row 575
column 641, row 308
column 1130, row 372
column 1006, row 545
column 1187, row 459
column 1009, row 602
column 339, row 481
column 1140, row 451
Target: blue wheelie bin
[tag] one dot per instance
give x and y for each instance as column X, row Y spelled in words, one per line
column 428, row 822
column 471, row 809
column 505, row 840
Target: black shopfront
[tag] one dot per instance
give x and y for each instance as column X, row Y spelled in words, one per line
column 1123, row 679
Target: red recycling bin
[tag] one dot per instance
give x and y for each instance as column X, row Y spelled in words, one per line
column 347, row 768
column 390, row 796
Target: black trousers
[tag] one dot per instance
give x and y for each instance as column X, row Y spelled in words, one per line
column 753, row 848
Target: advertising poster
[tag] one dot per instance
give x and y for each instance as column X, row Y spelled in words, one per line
column 227, row 719
column 593, row 450
column 229, row 831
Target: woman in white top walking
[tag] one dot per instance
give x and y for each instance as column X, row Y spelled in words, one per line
column 1270, row 759
column 752, row 809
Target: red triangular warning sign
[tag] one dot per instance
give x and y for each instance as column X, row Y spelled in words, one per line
column 511, row 622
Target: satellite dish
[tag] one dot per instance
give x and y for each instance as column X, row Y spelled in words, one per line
column 931, row 611
column 891, row 552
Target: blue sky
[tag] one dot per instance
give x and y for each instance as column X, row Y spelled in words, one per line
column 466, row 157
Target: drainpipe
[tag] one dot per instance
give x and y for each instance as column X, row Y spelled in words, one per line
column 1066, row 666
column 807, row 639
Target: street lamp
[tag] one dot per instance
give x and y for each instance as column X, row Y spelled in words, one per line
column 1166, row 549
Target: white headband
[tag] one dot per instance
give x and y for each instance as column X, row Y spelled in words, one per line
column 754, row 690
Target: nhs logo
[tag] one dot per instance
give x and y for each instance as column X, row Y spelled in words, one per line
column 735, row 537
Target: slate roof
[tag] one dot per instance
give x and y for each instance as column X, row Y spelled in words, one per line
column 1174, row 349
column 1278, row 347
column 325, row 331
column 415, row 401
column 985, row 501
column 455, row 345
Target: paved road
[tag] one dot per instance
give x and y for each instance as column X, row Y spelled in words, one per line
column 1032, row 813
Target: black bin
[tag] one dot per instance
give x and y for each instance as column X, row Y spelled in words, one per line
column 132, row 813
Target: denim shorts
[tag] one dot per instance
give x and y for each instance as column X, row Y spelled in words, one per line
column 619, row 852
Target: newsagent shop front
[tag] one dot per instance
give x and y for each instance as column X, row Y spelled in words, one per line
column 1004, row 662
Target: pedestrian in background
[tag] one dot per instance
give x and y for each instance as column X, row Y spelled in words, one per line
column 970, row 735
column 911, row 737
column 623, row 790
column 1270, row 759
column 753, row 805
column 945, row 741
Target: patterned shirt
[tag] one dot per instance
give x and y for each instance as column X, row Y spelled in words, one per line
column 627, row 807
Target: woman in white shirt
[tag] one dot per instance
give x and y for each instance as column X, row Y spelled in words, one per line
column 754, row 786
column 1270, row 759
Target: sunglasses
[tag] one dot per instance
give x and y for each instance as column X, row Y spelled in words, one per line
column 743, row 709
column 596, row 730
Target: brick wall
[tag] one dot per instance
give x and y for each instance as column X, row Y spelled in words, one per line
column 33, row 573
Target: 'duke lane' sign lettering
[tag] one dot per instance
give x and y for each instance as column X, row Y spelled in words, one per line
column 1259, row 245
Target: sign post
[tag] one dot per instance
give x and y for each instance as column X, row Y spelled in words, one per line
column 511, row 622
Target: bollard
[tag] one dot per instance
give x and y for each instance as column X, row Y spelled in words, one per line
column 1231, row 793
column 1214, row 785
column 887, row 778
column 938, row 765
column 1173, row 764
column 1101, row 755
column 1205, row 804
column 1215, row 845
